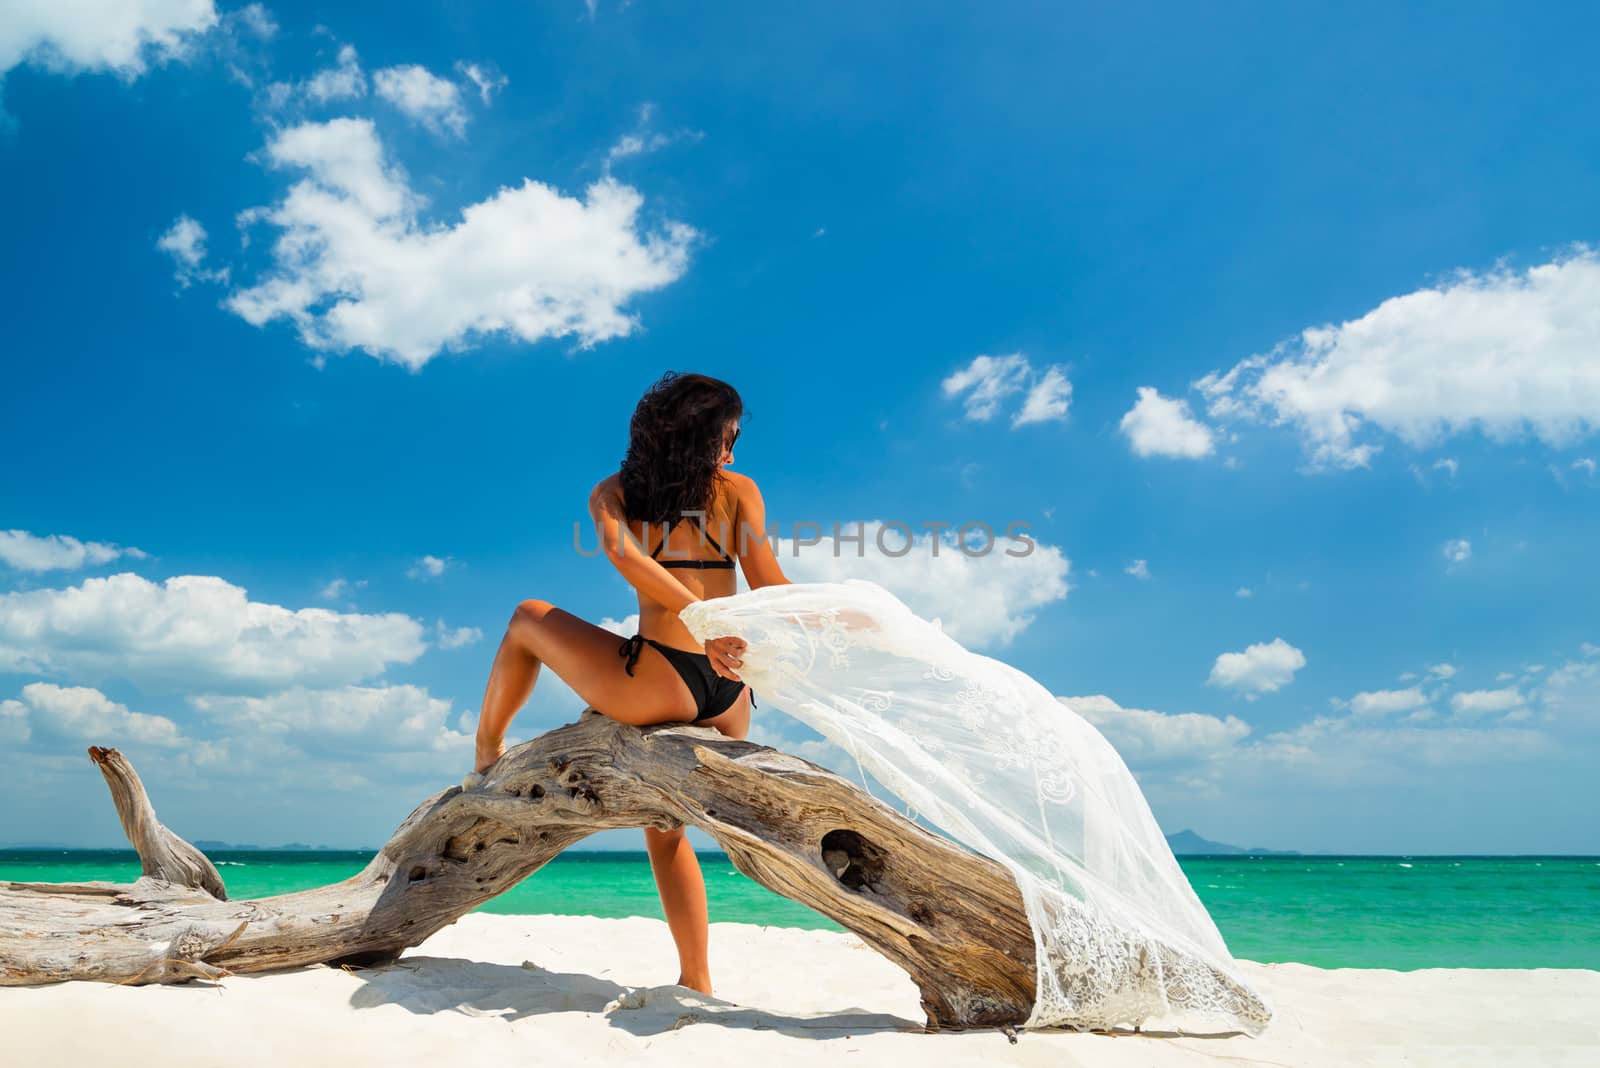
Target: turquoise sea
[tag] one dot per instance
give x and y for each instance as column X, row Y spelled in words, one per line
column 1333, row 912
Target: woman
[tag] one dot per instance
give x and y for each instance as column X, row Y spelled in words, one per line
column 673, row 494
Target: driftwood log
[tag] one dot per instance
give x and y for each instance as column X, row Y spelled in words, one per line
column 952, row 919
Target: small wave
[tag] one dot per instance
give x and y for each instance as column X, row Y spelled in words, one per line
column 1405, row 865
column 235, row 863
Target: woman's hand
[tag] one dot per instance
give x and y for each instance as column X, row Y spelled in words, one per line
column 726, row 656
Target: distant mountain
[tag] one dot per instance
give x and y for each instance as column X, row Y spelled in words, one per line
column 1187, row 843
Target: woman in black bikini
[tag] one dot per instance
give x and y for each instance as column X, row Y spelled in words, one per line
column 680, row 442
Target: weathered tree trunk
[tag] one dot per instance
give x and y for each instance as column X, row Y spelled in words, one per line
column 953, row 920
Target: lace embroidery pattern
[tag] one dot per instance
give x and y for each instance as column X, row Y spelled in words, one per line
column 992, row 758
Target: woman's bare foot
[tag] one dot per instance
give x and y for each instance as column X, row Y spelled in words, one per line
column 488, row 753
column 702, row 983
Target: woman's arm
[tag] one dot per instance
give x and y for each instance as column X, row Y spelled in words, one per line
column 636, row 565
column 755, row 553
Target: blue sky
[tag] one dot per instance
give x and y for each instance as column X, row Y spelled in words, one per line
column 1280, row 329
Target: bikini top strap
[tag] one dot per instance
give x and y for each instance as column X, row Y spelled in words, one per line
column 662, row 544
column 703, row 532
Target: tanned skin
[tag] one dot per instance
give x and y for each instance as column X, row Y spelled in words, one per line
column 584, row 656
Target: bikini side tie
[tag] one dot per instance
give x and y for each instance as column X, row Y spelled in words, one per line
column 630, row 649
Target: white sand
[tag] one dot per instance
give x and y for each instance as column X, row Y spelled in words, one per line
column 784, row 996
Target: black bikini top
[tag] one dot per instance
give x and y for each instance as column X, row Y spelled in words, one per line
column 725, row 562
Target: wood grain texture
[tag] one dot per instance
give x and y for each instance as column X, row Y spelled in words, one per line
column 952, row 919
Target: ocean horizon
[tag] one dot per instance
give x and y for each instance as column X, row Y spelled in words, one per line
column 1403, row 911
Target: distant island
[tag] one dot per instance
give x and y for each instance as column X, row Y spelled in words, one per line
column 1189, row 844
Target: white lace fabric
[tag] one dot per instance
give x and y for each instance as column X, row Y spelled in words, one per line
column 990, row 757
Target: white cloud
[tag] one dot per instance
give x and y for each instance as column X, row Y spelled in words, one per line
column 338, row 588
column 980, row 600
column 122, row 36
column 643, row 140
column 1386, row 702
column 1243, row 592
column 349, row 719
column 1139, row 569
column 1048, row 399
column 1163, row 426
column 194, row 632
column 989, row 380
column 422, row 96
column 488, row 80
column 1261, row 668
column 87, row 714
column 1458, row 550
column 185, row 242
column 57, row 552
column 1503, row 352
column 1590, row 649
column 344, row 81
column 1442, row 671
column 1144, row 737
column 356, row 267
column 14, row 727
column 456, row 637
column 627, row 626
column 1486, row 702
column 1585, row 464
column 428, row 567
column 257, row 19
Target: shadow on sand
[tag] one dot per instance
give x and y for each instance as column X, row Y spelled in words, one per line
column 423, row 985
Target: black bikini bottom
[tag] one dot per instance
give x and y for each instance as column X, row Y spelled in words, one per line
column 713, row 694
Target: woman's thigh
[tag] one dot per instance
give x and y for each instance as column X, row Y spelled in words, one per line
column 586, row 658
column 734, row 721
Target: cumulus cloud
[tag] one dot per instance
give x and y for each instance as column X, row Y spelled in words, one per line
column 185, row 242
column 121, row 36
column 1387, row 702
column 14, row 727
column 422, row 96
column 990, row 380
column 1442, row 671
column 456, row 637
column 1144, row 737
column 356, row 266
column 57, row 552
column 1243, row 593
column 1261, row 668
column 980, row 600
column 627, row 626
column 89, row 715
column 1139, row 569
column 1458, row 550
column 343, row 81
column 1486, row 702
column 1163, row 426
column 347, row 719
column 1504, row 352
column 194, row 632
column 428, row 567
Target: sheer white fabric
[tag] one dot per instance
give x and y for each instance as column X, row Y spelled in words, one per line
column 989, row 756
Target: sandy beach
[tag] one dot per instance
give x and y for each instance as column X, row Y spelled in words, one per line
column 578, row 990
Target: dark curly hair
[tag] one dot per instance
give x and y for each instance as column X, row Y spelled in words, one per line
column 675, row 439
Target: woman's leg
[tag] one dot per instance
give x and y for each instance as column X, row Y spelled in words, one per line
column 683, row 899
column 678, row 878
column 585, row 657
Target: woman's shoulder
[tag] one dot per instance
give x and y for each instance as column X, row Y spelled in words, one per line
column 736, row 490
